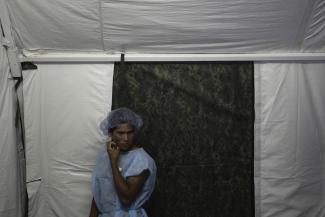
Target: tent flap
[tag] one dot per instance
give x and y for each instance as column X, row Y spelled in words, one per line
column 289, row 139
column 10, row 179
column 63, row 104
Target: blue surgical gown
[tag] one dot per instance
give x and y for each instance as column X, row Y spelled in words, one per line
column 130, row 163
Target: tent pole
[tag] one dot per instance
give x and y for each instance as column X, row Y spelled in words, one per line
column 132, row 57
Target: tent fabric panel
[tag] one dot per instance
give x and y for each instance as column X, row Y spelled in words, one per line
column 204, row 27
column 289, row 139
column 57, row 25
column 64, row 104
column 10, row 193
column 178, row 26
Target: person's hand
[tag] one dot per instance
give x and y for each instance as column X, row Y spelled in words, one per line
column 113, row 151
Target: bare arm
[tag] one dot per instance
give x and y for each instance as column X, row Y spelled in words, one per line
column 127, row 189
column 93, row 209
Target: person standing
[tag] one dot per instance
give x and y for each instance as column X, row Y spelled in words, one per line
column 125, row 174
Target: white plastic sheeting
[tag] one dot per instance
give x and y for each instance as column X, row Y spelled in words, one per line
column 173, row 26
column 63, row 105
column 290, row 139
column 65, row 102
column 10, row 194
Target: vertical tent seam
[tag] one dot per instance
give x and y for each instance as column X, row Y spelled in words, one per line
column 101, row 23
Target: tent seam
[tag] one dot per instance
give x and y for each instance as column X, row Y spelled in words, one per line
column 298, row 119
column 101, row 23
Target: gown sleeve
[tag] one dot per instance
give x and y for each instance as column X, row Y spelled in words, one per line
column 140, row 163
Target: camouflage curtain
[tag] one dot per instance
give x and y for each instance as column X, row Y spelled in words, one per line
column 198, row 126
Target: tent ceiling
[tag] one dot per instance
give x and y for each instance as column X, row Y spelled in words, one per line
column 169, row 26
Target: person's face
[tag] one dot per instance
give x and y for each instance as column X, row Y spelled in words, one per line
column 123, row 136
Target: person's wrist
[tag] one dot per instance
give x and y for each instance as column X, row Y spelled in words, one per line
column 114, row 162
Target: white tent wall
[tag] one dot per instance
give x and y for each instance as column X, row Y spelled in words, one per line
column 63, row 105
column 64, row 102
column 290, row 139
column 10, row 178
column 177, row 26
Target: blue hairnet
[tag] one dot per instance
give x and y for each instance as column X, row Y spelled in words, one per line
column 120, row 116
